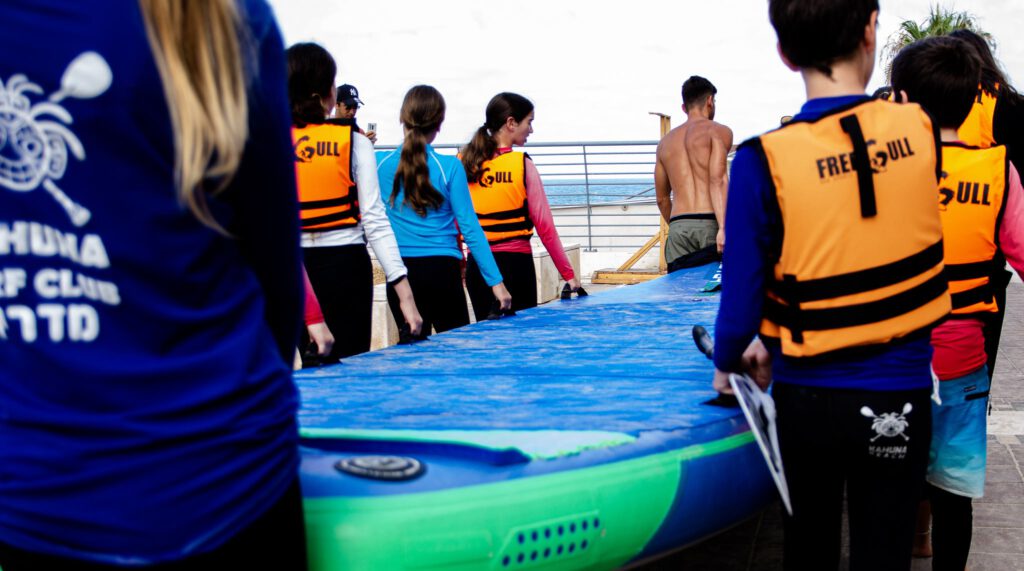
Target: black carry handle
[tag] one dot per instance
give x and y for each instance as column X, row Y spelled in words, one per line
column 707, row 346
column 497, row 313
column 567, row 292
column 405, row 336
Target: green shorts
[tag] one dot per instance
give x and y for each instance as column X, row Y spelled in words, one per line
column 688, row 233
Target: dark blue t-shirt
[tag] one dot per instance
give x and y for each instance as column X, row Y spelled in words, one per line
column 146, row 407
column 753, row 232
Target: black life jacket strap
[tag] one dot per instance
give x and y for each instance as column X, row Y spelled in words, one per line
column 796, row 319
column 521, row 212
column 328, row 203
column 306, row 223
column 349, row 199
column 970, row 271
column 862, row 164
column 794, row 291
column 980, row 294
column 509, row 226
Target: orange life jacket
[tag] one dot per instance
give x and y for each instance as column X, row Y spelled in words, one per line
column 499, row 198
column 328, row 199
column 972, row 196
column 861, row 257
column 977, row 128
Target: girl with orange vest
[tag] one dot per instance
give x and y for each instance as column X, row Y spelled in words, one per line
column 510, row 202
column 981, row 204
column 997, row 117
column 340, row 207
column 426, row 196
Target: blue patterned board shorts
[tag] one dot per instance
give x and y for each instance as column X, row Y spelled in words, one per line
column 956, row 462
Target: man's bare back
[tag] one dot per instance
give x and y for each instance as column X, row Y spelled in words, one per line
column 691, row 167
column 691, row 179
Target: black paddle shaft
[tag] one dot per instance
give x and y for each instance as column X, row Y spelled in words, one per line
column 703, row 340
column 705, row 344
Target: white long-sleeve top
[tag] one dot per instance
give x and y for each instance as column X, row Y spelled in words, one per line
column 374, row 226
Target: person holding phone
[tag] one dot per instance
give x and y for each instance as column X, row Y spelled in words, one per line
column 347, row 107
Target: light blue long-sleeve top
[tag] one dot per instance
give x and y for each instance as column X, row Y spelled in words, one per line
column 436, row 234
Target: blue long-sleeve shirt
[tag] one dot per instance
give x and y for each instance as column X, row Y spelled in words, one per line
column 436, row 234
column 753, row 236
column 147, row 411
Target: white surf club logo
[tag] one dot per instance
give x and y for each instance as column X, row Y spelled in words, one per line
column 34, row 139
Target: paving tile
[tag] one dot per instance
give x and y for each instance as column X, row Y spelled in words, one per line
column 999, row 455
column 1003, row 493
column 994, row 562
column 1011, row 394
column 1002, row 475
column 998, row 515
column 998, row 540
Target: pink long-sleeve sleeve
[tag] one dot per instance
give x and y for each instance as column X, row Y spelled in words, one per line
column 313, row 313
column 1011, row 231
column 544, row 224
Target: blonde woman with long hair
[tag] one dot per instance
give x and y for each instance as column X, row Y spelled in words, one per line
column 151, row 292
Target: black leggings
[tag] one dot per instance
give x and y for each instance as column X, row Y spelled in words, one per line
column 342, row 278
column 952, row 523
column 520, row 278
column 994, row 322
column 829, row 443
column 436, row 283
column 276, row 540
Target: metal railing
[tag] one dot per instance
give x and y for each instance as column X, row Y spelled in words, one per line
column 601, row 193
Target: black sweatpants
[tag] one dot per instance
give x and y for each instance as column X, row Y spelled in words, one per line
column 863, row 443
column 276, row 540
column 436, row 283
column 342, row 278
column 520, row 278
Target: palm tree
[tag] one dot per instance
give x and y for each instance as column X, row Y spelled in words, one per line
column 940, row 21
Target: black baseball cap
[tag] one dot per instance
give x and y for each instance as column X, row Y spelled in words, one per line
column 349, row 95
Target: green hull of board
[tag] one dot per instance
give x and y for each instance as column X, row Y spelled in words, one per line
column 592, row 518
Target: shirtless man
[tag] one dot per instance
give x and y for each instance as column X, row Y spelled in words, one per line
column 690, row 175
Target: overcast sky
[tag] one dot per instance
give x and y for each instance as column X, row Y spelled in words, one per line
column 593, row 69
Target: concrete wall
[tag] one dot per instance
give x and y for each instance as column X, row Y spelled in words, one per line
column 612, row 226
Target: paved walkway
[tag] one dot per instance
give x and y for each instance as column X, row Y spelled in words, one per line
column 998, row 545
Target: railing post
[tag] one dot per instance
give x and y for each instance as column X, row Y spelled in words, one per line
column 665, row 125
column 586, row 186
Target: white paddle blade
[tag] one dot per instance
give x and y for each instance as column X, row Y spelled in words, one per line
column 866, row 411
column 87, row 76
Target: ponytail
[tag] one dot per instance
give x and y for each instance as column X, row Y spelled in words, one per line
column 422, row 114
column 480, row 148
column 483, row 147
